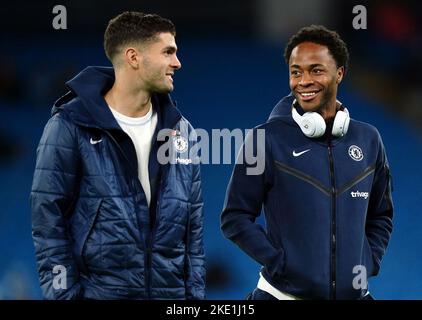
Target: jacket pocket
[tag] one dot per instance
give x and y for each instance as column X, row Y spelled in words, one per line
column 84, row 236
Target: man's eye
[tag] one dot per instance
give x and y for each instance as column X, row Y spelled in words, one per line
column 317, row 70
column 295, row 73
column 169, row 52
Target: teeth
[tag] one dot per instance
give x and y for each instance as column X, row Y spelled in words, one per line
column 308, row 94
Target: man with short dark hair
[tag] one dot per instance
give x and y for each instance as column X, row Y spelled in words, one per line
column 325, row 190
column 111, row 220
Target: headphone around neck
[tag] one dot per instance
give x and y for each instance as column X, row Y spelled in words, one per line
column 313, row 124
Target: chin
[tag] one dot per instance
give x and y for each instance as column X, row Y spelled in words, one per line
column 167, row 89
column 309, row 106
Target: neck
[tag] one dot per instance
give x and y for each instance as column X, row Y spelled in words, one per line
column 127, row 100
column 330, row 110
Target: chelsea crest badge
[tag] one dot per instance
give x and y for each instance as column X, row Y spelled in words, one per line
column 180, row 144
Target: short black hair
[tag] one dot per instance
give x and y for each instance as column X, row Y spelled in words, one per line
column 133, row 27
column 320, row 35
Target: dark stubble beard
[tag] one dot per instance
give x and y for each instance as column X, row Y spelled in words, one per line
column 156, row 80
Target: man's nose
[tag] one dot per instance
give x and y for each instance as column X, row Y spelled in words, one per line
column 175, row 63
column 306, row 79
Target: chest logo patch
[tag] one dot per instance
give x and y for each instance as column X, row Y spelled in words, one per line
column 355, row 153
column 180, row 144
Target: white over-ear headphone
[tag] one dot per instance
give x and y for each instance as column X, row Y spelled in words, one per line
column 313, row 125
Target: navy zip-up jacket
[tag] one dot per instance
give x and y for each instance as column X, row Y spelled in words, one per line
column 328, row 210
column 89, row 211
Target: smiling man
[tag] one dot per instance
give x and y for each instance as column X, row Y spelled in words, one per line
column 109, row 220
column 325, row 190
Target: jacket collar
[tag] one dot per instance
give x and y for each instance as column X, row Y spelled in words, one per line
column 283, row 111
column 90, row 108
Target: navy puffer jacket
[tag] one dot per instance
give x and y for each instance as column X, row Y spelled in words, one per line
column 90, row 214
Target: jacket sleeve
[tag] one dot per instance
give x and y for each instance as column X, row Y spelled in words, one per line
column 195, row 279
column 54, row 187
column 379, row 223
column 244, row 199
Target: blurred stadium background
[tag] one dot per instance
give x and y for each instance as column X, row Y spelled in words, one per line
column 233, row 74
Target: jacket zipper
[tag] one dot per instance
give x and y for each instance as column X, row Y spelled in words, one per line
column 151, row 234
column 333, row 225
column 148, row 264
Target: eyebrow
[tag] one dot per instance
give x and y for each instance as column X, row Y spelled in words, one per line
column 312, row 65
column 171, row 48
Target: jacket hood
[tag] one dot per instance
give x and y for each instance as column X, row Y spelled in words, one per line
column 88, row 88
column 282, row 109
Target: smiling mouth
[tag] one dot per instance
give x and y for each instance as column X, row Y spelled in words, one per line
column 306, row 96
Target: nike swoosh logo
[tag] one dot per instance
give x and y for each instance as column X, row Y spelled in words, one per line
column 297, row 154
column 95, row 141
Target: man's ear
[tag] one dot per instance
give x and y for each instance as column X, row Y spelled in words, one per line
column 339, row 75
column 132, row 57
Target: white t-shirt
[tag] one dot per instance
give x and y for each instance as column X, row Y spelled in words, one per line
column 264, row 285
column 140, row 130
